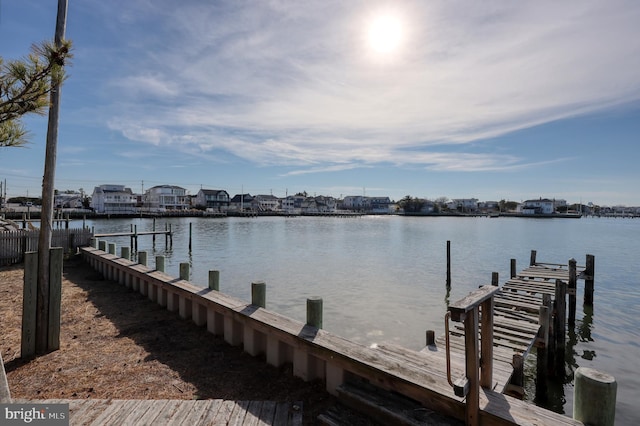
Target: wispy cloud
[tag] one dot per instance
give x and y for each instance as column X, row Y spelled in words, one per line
column 288, row 83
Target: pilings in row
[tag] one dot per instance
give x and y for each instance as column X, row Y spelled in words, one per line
column 181, row 298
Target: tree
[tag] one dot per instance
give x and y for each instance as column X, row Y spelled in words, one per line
column 25, row 86
column 43, row 344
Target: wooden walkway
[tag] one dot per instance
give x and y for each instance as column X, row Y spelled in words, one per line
column 100, row 412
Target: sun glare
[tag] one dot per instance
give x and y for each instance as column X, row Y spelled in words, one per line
column 385, row 34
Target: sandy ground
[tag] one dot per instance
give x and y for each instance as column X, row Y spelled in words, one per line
column 118, row 344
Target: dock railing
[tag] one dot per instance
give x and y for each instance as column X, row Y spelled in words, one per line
column 478, row 355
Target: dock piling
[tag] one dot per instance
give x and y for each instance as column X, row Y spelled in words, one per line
column 448, row 263
column 532, row 259
column 259, row 294
column 589, row 279
column 431, row 337
column 571, row 290
column 314, row 311
column 185, row 271
column 142, row 258
column 495, row 281
column 160, row 263
column 559, row 326
column 513, row 268
column 214, row 280
column 594, row 399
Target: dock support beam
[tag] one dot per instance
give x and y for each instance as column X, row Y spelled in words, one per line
column 559, row 327
column 589, row 280
column 571, row 291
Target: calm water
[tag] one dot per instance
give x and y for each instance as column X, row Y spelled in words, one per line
column 383, row 278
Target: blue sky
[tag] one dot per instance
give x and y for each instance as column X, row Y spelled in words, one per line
column 492, row 100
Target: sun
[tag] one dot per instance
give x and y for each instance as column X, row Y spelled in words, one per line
column 385, row 34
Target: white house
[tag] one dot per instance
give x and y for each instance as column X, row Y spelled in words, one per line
column 267, row 203
column 113, row 199
column 166, row 197
column 540, row 206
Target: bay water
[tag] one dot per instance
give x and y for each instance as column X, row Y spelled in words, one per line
column 383, row 278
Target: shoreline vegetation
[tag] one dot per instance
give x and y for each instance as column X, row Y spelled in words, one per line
column 116, row 344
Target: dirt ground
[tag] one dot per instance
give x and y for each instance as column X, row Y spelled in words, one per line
column 118, row 344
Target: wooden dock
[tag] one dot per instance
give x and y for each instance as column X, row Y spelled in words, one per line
column 463, row 388
column 101, row 412
column 529, row 311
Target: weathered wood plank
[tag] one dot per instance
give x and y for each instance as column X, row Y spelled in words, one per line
column 162, row 412
column 224, row 412
column 113, row 410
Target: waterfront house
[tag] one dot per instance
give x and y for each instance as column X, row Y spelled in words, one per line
column 166, row 197
column 354, row 202
column 68, row 200
column 113, row 199
column 292, row 204
column 241, row 203
column 379, row 205
column 465, row 205
column 319, row 204
column 267, row 203
column 540, row 206
column 214, row 199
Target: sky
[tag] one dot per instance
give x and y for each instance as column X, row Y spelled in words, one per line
column 490, row 100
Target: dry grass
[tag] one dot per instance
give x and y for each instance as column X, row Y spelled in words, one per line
column 117, row 344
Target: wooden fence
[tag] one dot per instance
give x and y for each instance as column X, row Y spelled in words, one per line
column 13, row 244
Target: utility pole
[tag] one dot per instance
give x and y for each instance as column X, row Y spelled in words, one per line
column 46, row 215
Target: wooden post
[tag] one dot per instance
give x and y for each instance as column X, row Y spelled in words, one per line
column 135, row 236
column 517, row 379
column 28, row 343
column 495, row 279
column 125, row 253
column 532, row 260
column 259, row 293
column 190, row 234
column 542, row 352
column 314, row 312
column 589, row 271
column 154, row 231
column 571, row 290
column 486, row 344
column 513, row 268
column 142, row 258
column 214, row 280
column 472, row 367
column 559, row 326
column 448, row 263
column 184, row 271
column 594, row 398
column 55, row 298
column 160, row 264
column 431, row 337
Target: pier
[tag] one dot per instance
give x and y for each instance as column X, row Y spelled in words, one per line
column 475, row 378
